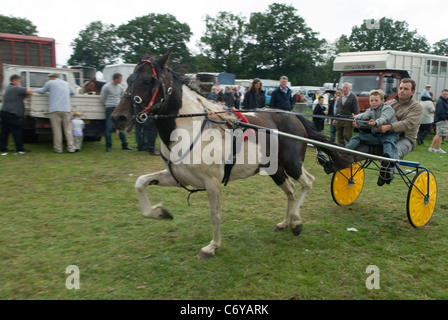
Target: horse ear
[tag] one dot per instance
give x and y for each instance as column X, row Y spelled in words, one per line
column 164, row 59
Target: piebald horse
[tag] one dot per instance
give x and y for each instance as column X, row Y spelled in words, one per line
column 179, row 111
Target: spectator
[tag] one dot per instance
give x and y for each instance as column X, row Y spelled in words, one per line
column 348, row 104
column 78, row 126
column 332, row 112
column 60, row 111
column 441, row 120
column 213, row 94
column 237, row 98
column 425, row 93
column 12, row 113
column 319, row 110
column 281, row 97
column 229, row 98
column 254, row 98
column 428, row 117
column 111, row 94
column 145, row 136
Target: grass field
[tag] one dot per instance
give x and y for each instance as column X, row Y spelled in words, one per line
column 81, row 209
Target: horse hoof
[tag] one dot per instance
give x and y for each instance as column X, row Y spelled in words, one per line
column 204, row 255
column 165, row 215
column 297, row 230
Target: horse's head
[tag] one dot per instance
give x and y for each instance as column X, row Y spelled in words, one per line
column 89, row 86
column 149, row 87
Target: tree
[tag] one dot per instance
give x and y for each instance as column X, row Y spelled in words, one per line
column 280, row 43
column 223, row 41
column 156, row 33
column 386, row 34
column 14, row 25
column 96, row 46
column 441, row 47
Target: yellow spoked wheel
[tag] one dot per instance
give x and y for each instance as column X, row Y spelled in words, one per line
column 347, row 184
column 422, row 199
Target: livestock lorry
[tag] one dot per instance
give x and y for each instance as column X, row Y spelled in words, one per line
column 384, row 69
column 36, row 105
column 26, row 50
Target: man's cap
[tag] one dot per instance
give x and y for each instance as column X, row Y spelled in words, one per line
column 53, row 75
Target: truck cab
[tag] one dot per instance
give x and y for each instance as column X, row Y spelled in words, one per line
column 363, row 82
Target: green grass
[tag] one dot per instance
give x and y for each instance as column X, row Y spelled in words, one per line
column 81, row 209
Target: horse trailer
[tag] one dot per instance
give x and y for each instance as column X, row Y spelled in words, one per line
column 384, row 69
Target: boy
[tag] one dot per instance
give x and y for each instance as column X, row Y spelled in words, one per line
column 77, row 130
column 377, row 115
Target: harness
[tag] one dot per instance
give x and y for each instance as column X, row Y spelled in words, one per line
column 142, row 116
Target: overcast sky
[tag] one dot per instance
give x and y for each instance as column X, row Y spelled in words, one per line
column 63, row 20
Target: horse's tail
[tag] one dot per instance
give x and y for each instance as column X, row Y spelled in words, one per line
column 340, row 160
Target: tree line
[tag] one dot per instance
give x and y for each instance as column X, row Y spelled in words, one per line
column 267, row 44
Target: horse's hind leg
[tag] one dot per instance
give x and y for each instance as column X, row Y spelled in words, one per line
column 161, row 178
column 293, row 219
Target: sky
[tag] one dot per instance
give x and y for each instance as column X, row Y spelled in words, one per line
column 63, row 20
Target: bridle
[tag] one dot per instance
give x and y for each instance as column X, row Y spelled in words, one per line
column 141, row 112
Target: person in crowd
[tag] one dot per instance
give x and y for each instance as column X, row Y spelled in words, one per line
column 441, row 121
column 377, row 115
column 229, row 98
column 281, row 97
column 60, row 111
column 348, row 104
column 111, row 94
column 425, row 93
column 12, row 113
column 319, row 110
column 255, row 97
column 237, row 98
column 428, row 117
column 332, row 112
column 213, row 94
column 145, row 137
column 78, row 126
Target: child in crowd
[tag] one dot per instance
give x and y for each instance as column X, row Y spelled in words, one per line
column 319, row 110
column 78, row 126
column 377, row 115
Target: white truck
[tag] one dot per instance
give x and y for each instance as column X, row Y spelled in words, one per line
column 384, row 69
column 36, row 105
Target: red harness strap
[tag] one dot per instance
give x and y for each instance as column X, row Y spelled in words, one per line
column 248, row 132
column 151, row 102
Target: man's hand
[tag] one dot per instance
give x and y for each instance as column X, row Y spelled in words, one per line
column 384, row 128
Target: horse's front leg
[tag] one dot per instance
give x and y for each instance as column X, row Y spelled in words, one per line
column 214, row 199
column 161, row 178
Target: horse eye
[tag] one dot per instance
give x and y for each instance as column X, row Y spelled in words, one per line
column 147, row 80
